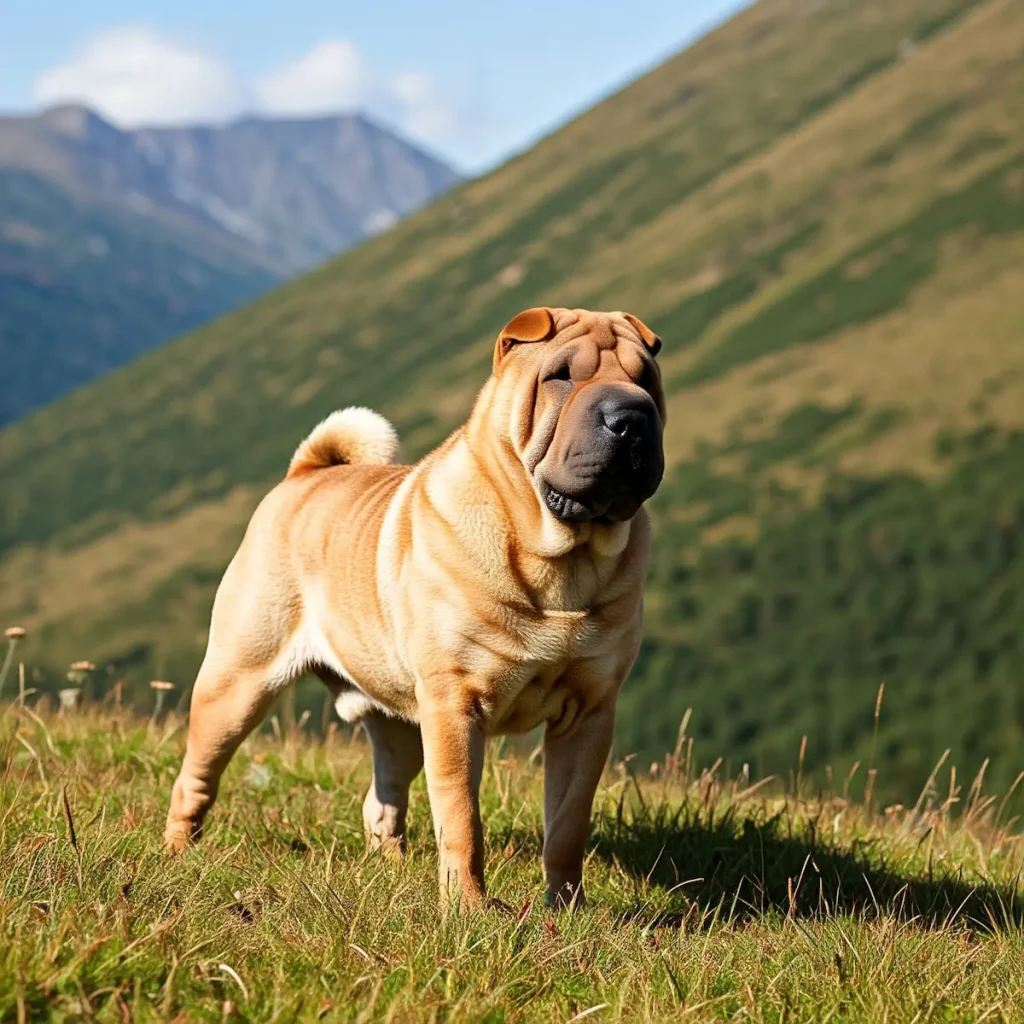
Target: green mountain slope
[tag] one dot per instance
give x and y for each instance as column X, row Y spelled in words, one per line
column 820, row 207
column 86, row 285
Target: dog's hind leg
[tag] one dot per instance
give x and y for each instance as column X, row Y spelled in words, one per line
column 397, row 760
column 228, row 702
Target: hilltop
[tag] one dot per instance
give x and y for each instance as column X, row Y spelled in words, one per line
column 820, row 208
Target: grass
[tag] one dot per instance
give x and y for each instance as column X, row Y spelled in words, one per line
column 710, row 899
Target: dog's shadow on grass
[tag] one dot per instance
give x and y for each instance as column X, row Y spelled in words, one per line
column 689, row 867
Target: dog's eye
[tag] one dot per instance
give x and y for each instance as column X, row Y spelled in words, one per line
column 562, row 373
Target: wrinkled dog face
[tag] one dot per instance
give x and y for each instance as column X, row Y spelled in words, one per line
column 587, row 412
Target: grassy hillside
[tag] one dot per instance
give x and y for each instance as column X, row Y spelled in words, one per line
column 820, row 207
column 709, row 899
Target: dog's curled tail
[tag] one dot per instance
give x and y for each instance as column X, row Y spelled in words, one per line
column 353, row 436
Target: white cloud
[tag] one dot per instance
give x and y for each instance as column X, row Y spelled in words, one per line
column 332, row 76
column 422, row 110
column 134, row 76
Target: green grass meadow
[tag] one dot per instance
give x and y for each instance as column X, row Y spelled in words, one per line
column 710, row 898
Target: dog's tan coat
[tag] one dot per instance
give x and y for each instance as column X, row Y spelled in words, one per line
column 448, row 594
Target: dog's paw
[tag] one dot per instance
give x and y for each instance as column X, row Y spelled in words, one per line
column 179, row 836
column 389, row 847
column 566, row 897
column 492, row 903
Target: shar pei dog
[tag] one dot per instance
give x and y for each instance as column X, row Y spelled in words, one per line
column 492, row 588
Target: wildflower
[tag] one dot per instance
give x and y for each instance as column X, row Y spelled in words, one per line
column 162, row 688
column 69, row 698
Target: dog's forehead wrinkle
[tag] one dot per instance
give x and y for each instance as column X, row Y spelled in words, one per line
column 583, row 359
column 598, row 329
column 575, row 329
column 564, row 318
column 611, row 365
column 631, row 360
column 623, row 329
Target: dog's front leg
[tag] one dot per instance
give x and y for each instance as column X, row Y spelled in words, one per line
column 453, row 756
column 573, row 765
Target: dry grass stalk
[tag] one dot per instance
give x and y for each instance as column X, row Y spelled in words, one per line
column 69, row 821
column 161, row 688
column 13, row 634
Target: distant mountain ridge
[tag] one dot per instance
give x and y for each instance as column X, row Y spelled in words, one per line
column 113, row 240
column 277, row 183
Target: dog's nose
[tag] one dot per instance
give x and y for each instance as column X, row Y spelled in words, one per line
column 627, row 421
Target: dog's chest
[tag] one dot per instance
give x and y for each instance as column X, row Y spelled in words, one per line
column 543, row 699
column 549, row 694
column 551, row 624
column 552, row 673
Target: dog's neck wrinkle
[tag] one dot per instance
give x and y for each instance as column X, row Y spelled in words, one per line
column 538, row 575
column 500, row 461
column 500, row 464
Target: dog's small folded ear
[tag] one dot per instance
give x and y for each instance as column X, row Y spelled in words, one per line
column 647, row 336
column 531, row 325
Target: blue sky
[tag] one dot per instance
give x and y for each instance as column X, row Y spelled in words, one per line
column 475, row 81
